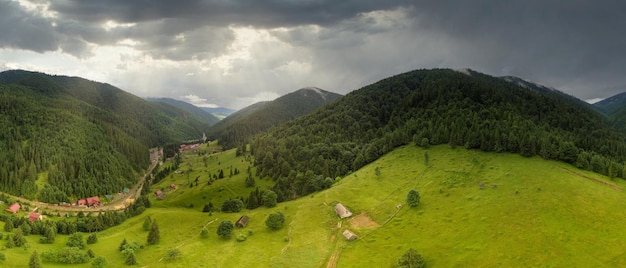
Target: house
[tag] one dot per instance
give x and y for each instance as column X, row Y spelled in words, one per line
column 93, row 201
column 34, row 216
column 342, row 211
column 125, row 190
column 13, row 208
column 349, row 235
column 109, row 197
column 82, row 202
column 172, row 186
column 158, row 193
column 243, row 221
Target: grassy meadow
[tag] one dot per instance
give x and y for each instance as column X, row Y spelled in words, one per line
column 477, row 210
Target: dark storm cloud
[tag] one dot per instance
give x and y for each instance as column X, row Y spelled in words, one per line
column 261, row 13
column 561, row 43
column 22, row 30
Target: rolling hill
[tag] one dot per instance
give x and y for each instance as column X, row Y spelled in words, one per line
column 80, row 137
column 236, row 128
column 466, row 109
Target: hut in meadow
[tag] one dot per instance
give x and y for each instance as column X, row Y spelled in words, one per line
column 243, row 221
column 342, row 211
column 349, row 235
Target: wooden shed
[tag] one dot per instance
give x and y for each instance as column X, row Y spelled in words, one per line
column 243, row 221
column 349, row 235
column 342, row 211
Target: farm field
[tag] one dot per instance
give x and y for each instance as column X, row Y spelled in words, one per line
column 477, row 210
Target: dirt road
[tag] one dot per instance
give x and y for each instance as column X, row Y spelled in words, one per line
column 119, row 202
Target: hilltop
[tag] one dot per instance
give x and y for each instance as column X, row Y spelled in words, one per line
column 466, row 109
column 238, row 127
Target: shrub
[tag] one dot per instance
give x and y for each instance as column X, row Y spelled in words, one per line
column 241, row 237
column 275, row 221
column 225, row 229
column 411, row 259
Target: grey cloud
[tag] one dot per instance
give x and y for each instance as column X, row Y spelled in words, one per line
column 22, row 30
column 266, row 13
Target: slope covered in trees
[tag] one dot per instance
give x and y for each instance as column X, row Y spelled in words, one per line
column 80, row 137
column 235, row 129
column 466, row 109
column 207, row 117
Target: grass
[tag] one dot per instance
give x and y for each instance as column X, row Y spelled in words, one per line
column 540, row 213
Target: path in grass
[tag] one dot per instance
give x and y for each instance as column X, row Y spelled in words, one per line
column 616, row 187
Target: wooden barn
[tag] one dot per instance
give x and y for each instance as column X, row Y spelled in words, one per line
column 243, row 221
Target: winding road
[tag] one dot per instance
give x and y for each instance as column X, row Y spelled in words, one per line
column 119, row 202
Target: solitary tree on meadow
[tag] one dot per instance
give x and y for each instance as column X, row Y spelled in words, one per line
column 413, row 198
column 154, row 236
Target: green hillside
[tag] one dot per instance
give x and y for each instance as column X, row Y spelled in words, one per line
column 80, row 137
column 262, row 116
column 465, row 109
column 530, row 212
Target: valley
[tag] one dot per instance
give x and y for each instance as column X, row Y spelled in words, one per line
column 506, row 174
column 531, row 211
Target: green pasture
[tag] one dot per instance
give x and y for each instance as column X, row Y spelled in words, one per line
column 477, row 210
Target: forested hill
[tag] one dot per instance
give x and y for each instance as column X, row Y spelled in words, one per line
column 81, row 137
column 615, row 110
column 464, row 109
column 236, row 128
column 190, row 108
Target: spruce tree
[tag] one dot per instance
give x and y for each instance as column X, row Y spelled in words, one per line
column 147, row 223
column 35, row 262
column 130, row 259
column 154, row 235
column 8, row 225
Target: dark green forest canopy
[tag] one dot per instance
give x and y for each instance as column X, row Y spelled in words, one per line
column 472, row 110
column 89, row 138
column 239, row 127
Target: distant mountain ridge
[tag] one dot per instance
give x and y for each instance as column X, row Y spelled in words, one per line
column 613, row 104
column 236, row 128
column 199, row 112
column 219, row 112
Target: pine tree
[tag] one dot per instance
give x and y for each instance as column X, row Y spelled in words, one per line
column 35, row 262
column 154, row 235
column 123, row 244
column 147, row 223
column 130, row 259
column 8, row 225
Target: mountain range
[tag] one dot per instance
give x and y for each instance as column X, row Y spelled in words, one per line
column 91, row 137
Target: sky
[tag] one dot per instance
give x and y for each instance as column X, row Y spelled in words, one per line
column 233, row 53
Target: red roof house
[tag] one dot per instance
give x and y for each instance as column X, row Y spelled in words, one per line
column 92, row 201
column 158, row 193
column 34, row 216
column 13, row 208
column 82, row 202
